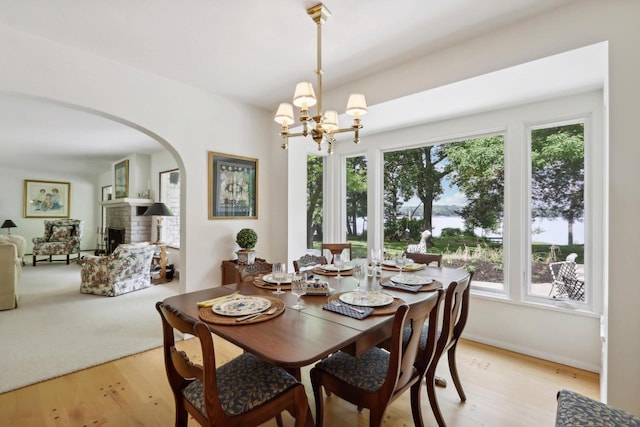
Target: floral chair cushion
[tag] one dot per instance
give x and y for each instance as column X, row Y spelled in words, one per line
column 243, row 383
column 53, row 242
column 577, row 410
column 61, row 233
column 367, row 371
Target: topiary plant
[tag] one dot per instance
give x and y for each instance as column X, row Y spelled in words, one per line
column 247, row 238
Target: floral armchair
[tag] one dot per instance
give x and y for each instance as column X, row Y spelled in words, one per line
column 127, row 269
column 61, row 237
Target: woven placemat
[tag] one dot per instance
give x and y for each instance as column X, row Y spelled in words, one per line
column 377, row 311
column 207, row 314
column 433, row 286
column 322, row 272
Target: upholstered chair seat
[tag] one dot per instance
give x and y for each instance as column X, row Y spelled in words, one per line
column 243, row 384
column 366, row 372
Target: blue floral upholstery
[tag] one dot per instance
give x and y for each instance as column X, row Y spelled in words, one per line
column 366, row 372
column 243, row 384
column 127, row 269
column 61, row 237
column 575, row 409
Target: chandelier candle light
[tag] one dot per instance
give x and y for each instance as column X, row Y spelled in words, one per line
column 325, row 127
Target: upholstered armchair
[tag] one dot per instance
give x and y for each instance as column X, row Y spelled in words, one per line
column 10, row 271
column 127, row 269
column 61, row 237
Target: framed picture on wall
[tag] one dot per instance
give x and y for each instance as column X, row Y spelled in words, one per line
column 46, row 199
column 107, row 191
column 233, row 186
column 121, row 179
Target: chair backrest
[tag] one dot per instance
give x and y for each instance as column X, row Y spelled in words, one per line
column 74, row 227
column 454, row 315
column 251, row 271
column 426, row 258
column 138, row 257
column 408, row 360
column 308, row 260
column 337, row 248
column 562, row 271
column 180, row 370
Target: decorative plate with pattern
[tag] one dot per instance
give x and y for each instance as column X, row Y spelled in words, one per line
column 411, row 279
column 366, row 299
column 241, row 305
column 269, row 278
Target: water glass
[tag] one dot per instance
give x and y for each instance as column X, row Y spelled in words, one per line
column 401, row 261
column 358, row 274
column 338, row 262
column 298, row 288
column 279, row 273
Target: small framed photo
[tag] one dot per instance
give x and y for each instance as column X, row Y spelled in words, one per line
column 107, row 191
column 46, row 199
column 233, row 187
column 121, row 179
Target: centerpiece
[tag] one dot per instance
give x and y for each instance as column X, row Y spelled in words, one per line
column 246, row 239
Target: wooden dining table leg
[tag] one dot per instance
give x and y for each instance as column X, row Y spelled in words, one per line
column 298, row 376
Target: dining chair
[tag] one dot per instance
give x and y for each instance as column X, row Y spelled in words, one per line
column 307, row 261
column 377, row 377
column 454, row 319
column 252, row 271
column 246, row 391
column 425, row 258
column 337, row 248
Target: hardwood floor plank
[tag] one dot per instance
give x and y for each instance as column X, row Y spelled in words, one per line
column 504, row 389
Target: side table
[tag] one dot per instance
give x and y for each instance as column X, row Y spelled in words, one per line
column 229, row 270
column 161, row 261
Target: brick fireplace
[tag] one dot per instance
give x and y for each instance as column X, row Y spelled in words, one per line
column 127, row 214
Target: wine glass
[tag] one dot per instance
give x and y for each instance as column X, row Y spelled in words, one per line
column 298, row 288
column 376, row 259
column 401, row 261
column 279, row 273
column 358, row 274
column 338, row 262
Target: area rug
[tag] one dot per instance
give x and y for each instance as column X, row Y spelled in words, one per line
column 57, row 330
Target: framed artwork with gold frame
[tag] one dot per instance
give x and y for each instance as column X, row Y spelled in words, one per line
column 46, row 199
column 121, row 179
column 233, row 186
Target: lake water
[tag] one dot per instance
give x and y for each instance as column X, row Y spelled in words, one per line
column 551, row 231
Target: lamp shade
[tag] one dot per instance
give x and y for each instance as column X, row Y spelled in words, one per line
column 158, row 209
column 330, row 122
column 357, row 105
column 8, row 224
column 284, row 115
column 304, row 95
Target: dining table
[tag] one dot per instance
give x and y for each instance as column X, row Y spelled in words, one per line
column 294, row 338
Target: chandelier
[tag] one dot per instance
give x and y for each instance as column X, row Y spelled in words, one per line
column 320, row 127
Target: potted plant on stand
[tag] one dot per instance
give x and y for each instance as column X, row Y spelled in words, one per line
column 246, row 239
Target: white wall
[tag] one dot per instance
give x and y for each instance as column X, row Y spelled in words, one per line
column 576, row 25
column 83, row 189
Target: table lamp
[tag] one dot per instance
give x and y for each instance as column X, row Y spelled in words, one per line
column 8, row 224
column 158, row 209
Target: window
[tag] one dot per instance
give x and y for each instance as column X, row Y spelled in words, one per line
column 455, row 190
column 356, row 204
column 170, row 195
column 557, row 211
column 315, row 172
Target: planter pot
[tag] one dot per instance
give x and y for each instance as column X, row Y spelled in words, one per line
column 246, row 257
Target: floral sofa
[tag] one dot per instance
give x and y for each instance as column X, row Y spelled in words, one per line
column 127, row 269
column 61, row 237
column 11, row 251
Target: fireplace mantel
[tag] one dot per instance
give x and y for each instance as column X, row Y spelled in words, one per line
column 128, row 214
column 127, row 202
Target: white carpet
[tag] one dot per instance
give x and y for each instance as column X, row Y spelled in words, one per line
column 57, row 330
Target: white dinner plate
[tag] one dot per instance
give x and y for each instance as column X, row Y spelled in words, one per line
column 331, row 267
column 412, row 280
column 269, row 278
column 366, row 299
column 241, row 305
column 412, row 266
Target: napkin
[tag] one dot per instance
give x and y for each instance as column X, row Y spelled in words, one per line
column 394, row 285
column 348, row 311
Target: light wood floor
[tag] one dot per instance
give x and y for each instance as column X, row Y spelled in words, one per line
column 503, row 389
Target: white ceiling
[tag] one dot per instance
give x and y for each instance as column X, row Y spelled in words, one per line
column 216, row 44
